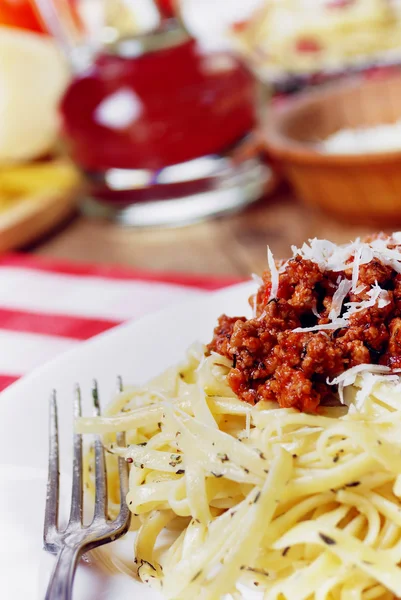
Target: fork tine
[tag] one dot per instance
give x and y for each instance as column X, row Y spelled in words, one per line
column 77, row 479
column 100, row 464
column 123, row 473
column 124, row 517
column 53, row 480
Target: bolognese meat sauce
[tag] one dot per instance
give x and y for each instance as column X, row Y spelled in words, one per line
column 304, row 334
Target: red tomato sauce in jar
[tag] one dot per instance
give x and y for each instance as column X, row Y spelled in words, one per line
column 170, row 106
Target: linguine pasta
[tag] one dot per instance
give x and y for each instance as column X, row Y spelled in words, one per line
column 225, row 494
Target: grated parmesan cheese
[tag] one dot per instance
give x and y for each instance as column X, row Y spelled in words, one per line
column 349, row 257
column 376, row 295
column 364, row 140
column 314, row 311
column 355, row 268
column 348, row 377
column 334, row 325
column 339, row 296
column 273, row 274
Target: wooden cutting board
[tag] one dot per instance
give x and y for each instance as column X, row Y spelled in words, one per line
column 34, row 199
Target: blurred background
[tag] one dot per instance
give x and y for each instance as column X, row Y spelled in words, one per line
column 185, row 135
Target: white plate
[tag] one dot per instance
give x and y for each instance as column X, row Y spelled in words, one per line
column 137, row 351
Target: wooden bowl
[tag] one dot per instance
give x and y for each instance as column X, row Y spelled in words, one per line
column 362, row 187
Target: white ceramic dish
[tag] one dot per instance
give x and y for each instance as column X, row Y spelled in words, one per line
column 137, row 351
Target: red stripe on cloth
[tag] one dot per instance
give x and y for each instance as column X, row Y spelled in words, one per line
column 78, row 328
column 6, row 380
column 28, row 261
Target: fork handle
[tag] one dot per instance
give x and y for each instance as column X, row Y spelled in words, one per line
column 60, row 585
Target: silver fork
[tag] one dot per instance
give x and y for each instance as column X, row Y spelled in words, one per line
column 76, row 539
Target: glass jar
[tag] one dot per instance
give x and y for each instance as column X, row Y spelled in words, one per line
column 160, row 128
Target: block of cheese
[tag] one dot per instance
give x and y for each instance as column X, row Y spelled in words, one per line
column 33, row 76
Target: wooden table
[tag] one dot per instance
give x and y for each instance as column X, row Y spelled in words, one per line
column 232, row 246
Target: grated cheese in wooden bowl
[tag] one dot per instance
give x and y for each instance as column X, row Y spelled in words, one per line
column 372, row 140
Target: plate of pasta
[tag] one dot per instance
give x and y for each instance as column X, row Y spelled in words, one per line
column 264, row 448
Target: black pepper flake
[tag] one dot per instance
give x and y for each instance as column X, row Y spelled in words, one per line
column 234, row 361
column 261, row 455
column 336, row 458
column 254, row 570
column 142, row 444
column 182, row 375
column 242, row 568
column 130, row 502
column 285, row 551
column 159, row 424
column 379, row 442
column 326, row 539
column 266, row 471
column 146, row 562
column 353, row 484
column 217, row 474
column 257, row 497
column 198, row 574
column 232, row 514
column 256, row 583
column 90, row 469
column 295, row 456
column 222, row 457
column 246, row 470
column 180, row 472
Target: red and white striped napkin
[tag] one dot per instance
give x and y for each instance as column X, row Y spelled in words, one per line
column 48, row 306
